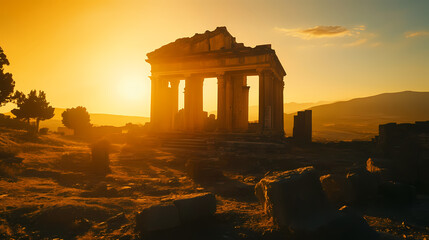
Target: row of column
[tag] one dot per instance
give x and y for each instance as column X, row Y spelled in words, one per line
column 164, row 104
column 233, row 101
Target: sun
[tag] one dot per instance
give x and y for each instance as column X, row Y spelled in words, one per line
column 130, row 89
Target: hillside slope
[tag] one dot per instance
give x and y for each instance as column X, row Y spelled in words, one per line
column 359, row 118
column 97, row 119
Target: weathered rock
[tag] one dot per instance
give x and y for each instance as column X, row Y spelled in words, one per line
column 335, row 188
column 100, row 157
column 380, row 167
column 397, row 193
column 157, row 217
column 293, row 198
column 362, row 187
column 296, row 202
column 203, row 170
column 350, row 225
column 423, row 170
column 195, row 206
column 345, row 225
column 68, row 219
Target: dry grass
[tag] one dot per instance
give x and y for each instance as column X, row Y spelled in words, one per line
column 54, row 188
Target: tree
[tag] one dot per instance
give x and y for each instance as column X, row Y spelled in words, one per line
column 6, row 82
column 77, row 119
column 33, row 106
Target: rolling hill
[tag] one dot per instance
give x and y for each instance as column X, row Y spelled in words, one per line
column 97, row 119
column 358, row 119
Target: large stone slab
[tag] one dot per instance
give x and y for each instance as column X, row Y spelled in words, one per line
column 335, row 188
column 195, row 206
column 296, row 202
column 362, row 186
column 157, row 217
column 397, row 193
column 292, row 198
column 203, row 170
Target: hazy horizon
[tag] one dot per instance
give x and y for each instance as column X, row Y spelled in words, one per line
column 10, row 106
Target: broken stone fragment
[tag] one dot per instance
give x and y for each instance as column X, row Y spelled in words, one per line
column 157, row 217
column 296, row 202
column 397, row 193
column 195, row 206
column 362, row 186
column 380, row 167
column 291, row 197
column 335, row 188
column 173, row 213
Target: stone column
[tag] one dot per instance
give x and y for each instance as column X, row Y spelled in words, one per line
column 221, row 102
column 229, row 100
column 245, row 108
column 153, row 101
column 194, row 118
column 277, row 105
column 174, row 101
column 261, row 117
column 240, row 101
column 160, row 120
column 199, row 112
column 188, row 104
column 163, row 106
column 266, row 100
column 282, row 87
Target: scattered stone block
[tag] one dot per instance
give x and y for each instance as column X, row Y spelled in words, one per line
column 157, row 217
column 296, row 202
column 69, row 219
column 423, row 170
column 195, row 206
column 203, row 170
column 100, row 157
column 380, row 167
column 397, row 193
column 335, row 188
column 350, row 225
column 362, row 187
column 292, row 197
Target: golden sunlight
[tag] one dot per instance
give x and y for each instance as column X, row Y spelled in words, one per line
column 130, row 88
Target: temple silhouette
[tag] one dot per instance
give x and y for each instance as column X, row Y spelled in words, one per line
column 208, row 55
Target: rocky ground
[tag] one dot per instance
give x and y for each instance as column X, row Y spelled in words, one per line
column 53, row 193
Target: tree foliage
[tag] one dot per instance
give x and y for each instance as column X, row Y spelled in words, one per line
column 77, row 119
column 33, row 106
column 6, row 82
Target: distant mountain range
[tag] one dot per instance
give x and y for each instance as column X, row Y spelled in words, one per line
column 290, row 107
column 358, row 119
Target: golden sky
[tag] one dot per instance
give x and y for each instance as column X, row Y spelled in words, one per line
column 92, row 53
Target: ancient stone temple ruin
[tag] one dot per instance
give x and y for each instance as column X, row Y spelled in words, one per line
column 208, row 55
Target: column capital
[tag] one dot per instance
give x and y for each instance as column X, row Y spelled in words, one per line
column 174, row 82
column 263, row 70
column 154, row 77
column 220, row 74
